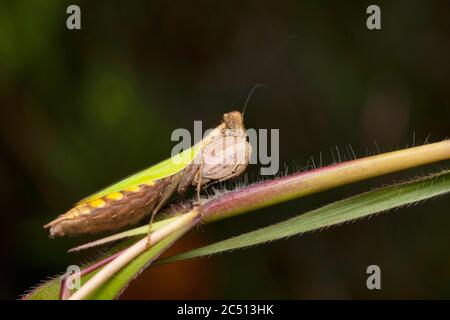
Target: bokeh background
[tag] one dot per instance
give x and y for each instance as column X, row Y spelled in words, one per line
column 82, row 109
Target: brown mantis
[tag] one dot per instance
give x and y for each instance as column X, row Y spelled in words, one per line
column 223, row 154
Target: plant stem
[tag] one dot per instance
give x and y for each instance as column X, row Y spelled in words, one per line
column 271, row 192
column 301, row 184
column 186, row 221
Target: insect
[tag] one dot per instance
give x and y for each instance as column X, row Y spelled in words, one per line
column 221, row 155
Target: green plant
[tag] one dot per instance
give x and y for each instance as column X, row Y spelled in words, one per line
column 107, row 278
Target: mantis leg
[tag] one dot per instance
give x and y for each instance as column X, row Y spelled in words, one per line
column 168, row 190
column 188, row 177
column 199, row 184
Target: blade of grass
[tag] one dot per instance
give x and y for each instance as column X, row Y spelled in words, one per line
column 113, row 288
column 48, row 290
column 147, row 254
column 336, row 213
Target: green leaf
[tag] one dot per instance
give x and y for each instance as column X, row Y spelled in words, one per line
column 114, row 287
column 336, row 213
column 50, row 290
column 47, row 291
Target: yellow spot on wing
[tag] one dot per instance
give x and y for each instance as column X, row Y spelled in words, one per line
column 72, row 214
column 84, row 209
column 115, row 196
column 77, row 211
column 99, row 203
column 133, row 189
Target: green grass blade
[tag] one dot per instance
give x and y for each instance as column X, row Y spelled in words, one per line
column 50, row 290
column 336, row 213
column 47, row 291
column 114, row 287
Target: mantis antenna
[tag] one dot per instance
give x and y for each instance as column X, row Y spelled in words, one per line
column 256, row 86
column 269, row 60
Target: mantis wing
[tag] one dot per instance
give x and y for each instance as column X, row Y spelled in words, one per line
column 159, row 171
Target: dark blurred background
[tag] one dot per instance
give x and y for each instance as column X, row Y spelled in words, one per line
column 82, row 109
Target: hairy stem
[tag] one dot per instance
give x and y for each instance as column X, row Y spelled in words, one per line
column 304, row 183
